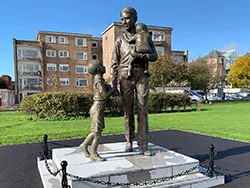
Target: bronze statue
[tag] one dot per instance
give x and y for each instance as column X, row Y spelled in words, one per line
column 136, row 85
column 101, row 92
column 142, row 40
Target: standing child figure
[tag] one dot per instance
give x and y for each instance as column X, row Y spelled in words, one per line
column 101, row 92
column 142, row 46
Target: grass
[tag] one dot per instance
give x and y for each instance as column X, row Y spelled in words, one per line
column 227, row 120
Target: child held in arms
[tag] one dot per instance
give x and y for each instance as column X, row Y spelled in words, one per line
column 141, row 47
column 101, row 92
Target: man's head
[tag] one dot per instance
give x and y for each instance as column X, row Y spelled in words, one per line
column 95, row 67
column 141, row 27
column 129, row 18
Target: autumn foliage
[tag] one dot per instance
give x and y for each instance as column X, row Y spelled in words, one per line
column 239, row 75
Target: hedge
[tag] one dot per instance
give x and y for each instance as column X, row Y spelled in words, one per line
column 61, row 104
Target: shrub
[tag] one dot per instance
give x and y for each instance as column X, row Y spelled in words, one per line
column 60, row 105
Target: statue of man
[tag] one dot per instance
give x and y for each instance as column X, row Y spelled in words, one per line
column 136, row 85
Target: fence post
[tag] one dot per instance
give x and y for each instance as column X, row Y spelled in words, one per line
column 211, row 161
column 44, row 152
column 64, row 175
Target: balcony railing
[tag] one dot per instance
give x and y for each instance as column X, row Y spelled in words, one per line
column 31, row 87
column 29, row 73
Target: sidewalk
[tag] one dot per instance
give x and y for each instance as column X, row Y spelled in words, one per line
column 19, row 169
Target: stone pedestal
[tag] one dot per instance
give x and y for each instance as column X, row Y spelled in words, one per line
column 126, row 167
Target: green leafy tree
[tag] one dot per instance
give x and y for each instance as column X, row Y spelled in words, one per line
column 2, row 84
column 239, row 74
column 55, row 82
column 180, row 73
column 161, row 72
column 200, row 75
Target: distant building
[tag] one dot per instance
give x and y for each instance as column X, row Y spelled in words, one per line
column 161, row 36
column 230, row 57
column 215, row 60
column 56, row 61
column 179, row 56
column 7, row 92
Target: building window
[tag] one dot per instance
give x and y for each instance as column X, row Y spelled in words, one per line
column 80, row 69
column 28, row 53
column 157, row 35
column 63, row 54
column 50, row 39
column 63, row 67
column 81, row 42
column 49, row 81
column 51, row 67
column 81, row 56
column 81, row 82
column 31, row 81
column 29, row 68
column 106, row 51
column 50, row 53
column 94, row 44
column 63, row 40
column 64, row 81
column 160, row 49
column 94, row 56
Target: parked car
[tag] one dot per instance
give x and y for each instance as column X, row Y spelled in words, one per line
column 229, row 98
column 235, row 95
column 213, row 97
column 194, row 96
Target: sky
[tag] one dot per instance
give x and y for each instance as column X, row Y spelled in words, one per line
column 198, row 26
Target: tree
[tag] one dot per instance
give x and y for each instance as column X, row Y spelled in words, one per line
column 55, row 82
column 200, row 75
column 239, row 74
column 180, row 73
column 2, row 84
column 160, row 71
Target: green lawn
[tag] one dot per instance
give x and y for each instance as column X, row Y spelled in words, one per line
column 228, row 120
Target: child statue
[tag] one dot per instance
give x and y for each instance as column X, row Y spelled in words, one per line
column 142, row 46
column 101, row 92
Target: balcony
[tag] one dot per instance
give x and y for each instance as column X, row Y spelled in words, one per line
column 36, row 73
column 31, row 88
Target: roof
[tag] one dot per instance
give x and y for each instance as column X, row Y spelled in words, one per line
column 149, row 27
column 214, row 54
column 228, row 53
column 62, row 33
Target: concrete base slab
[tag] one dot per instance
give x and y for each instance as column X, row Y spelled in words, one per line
column 128, row 167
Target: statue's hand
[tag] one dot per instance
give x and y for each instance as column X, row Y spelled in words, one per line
column 115, row 91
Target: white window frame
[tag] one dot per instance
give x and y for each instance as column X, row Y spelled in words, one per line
column 62, row 80
column 49, row 81
column 158, row 32
column 61, row 66
column 85, row 69
column 95, row 55
column 78, row 81
column 65, row 40
column 49, row 53
column 51, row 65
column 50, row 39
column 63, row 52
column 160, row 49
column 85, row 56
column 84, row 42
column 94, row 42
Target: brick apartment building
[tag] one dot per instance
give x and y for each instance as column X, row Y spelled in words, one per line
column 7, row 94
column 56, row 61
column 161, row 36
